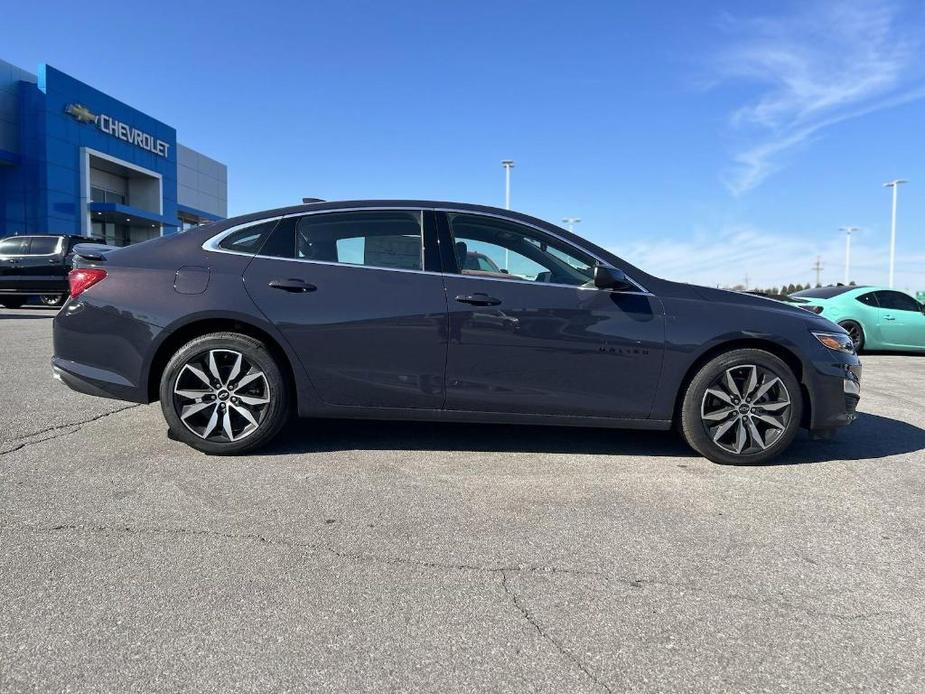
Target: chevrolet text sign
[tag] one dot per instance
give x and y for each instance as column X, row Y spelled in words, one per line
column 124, row 132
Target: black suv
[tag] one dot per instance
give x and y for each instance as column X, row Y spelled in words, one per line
column 36, row 266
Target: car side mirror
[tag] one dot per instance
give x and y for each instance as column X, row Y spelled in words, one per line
column 611, row 278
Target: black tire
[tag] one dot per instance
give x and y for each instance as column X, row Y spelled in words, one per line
column 53, row 299
column 745, row 414
column 856, row 332
column 224, row 395
column 12, row 301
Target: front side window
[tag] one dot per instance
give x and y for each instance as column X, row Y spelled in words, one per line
column 390, row 239
column 500, row 249
column 897, row 301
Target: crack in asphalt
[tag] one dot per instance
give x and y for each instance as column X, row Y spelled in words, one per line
column 545, row 635
column 57, row 431
column 636, row 583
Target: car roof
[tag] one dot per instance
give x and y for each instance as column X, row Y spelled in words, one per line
column 829, row 292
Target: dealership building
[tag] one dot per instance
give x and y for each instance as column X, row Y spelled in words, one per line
column 74, row 160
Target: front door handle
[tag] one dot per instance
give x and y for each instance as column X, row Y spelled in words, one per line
column 478, row 299
column 293, row 285
column 889, row 318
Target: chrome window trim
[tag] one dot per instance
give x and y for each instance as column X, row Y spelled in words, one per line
column 211, row 244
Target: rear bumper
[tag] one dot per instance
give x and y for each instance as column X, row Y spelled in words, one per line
column 101, row 351
column 91, row 380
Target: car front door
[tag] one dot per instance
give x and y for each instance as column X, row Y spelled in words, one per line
column 901, row 321
column 360, row 298
column 42, row 267
column 535, row 336
column 12, row 251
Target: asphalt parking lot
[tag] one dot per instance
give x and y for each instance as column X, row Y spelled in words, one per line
column 362, row 555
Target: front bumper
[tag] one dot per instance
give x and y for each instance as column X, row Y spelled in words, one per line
column 835, row 390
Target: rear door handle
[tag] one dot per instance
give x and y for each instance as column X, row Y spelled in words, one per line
column 478, row 299
column 293, row 285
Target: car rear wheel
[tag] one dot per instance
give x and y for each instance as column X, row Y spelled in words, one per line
column 742, row 408
column 12, row 301
column 53, row 299
column 856, row 332
column 224, row 394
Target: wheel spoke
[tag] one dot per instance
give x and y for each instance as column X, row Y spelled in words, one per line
column 213, row 420
column 717, row 393
column 768, row 419
column 244, row 412
column 251, row 400
column 755, row 434
column 198, row 373
column 765, row 387
column 192, row 394
column 253, row 376
column 751, row 381
column 190, row 410
column 226, row 424
column 774, row 406
column 741, row 436
column 213, row 367
column 236, row 369
column 722, row 429
column 731, row 384
column 716, row 416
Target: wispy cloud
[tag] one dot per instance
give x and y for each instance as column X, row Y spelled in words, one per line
column 768, row 259
column 830, row 62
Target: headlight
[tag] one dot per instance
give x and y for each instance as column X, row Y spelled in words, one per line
column 838, row 342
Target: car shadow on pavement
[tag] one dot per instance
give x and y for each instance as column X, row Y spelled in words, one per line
column 307, row 435
column 871, row 436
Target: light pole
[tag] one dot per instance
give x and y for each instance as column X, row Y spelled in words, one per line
column 818, row 267
column 570, row 222
column 848, row 231
column 894, row 184
column 508, row 164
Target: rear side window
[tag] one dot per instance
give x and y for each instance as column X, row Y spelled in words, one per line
column 248, row 239
column 13, row 246
column 43, row 245
column 388, row 239
column 870, row 299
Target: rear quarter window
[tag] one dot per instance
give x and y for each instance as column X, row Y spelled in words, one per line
column 870, row 299
column 248, row 239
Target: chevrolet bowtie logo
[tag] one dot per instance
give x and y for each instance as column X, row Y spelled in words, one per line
column 81, row 113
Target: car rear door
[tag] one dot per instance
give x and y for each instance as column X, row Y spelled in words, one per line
column 42, row 267
column 537, row 337
column 359, row 296
column 901, row 321
column 12, row 250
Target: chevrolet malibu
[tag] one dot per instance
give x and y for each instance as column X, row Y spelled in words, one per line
column 370, row 310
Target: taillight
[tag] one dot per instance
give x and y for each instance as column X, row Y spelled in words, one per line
column 82, row 279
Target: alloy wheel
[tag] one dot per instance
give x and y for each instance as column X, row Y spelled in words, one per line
column 854, row 332
column 746, row 409
column 221, row 396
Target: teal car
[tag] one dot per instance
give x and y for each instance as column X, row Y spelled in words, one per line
column 875, row 317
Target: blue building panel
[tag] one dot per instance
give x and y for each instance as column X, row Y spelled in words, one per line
column 67, row 129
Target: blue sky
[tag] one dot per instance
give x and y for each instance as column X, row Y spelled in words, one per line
column 703, row 141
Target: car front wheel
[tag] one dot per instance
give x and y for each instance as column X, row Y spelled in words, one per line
column 742, row 407
column 224, row 394
column 53, row 299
